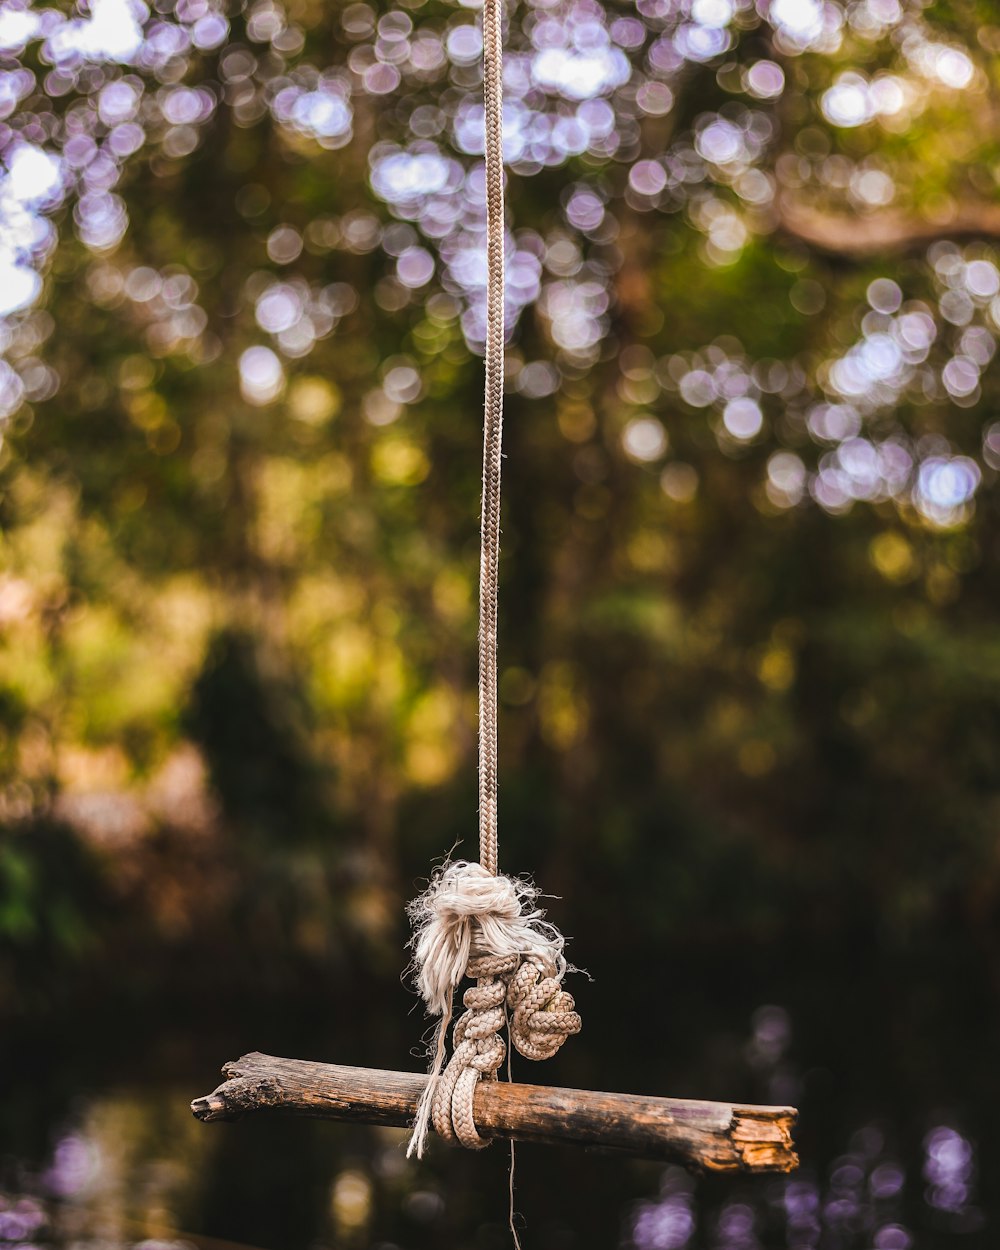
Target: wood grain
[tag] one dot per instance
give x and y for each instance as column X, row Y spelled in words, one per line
column 715, row 1136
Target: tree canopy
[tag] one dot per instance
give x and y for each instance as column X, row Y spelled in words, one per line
column 751, row 520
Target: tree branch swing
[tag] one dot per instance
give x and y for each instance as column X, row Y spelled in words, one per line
column 473, row 921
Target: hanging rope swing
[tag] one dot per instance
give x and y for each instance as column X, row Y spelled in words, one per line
column 473, row 921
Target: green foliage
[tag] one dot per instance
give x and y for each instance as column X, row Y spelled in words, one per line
column 750, row 516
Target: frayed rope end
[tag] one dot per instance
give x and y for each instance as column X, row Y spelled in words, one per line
column 465, row 911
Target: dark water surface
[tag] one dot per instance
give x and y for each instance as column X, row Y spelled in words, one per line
column 892, row 1063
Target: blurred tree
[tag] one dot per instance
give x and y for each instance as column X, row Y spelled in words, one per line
column 751, row 520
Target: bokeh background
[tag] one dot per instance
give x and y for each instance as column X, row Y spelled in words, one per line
column 750, row 658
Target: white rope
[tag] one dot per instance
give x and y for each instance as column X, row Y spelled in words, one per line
column 490, row 928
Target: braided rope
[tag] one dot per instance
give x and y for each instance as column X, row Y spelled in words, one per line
column 490, row 928
column 492, row 432
column 470, row 918
column 541, row 1018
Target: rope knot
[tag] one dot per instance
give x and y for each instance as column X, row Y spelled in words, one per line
column 470, row 922
column 543, row 1014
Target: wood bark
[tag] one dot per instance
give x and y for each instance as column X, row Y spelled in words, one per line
column 715, row 1136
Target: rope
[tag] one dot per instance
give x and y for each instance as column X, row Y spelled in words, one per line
column 489, row 575
column 490, row 928
column 471, row 920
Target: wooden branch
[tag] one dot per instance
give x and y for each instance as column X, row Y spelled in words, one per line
column 860, row 235
column 716, row 1136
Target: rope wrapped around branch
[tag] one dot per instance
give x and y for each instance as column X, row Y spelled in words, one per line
column 469, row 922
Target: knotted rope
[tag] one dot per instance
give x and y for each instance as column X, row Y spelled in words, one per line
column 471, row 921
column 490, row 928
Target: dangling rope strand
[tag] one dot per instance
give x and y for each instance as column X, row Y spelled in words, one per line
column 470, row 919
column 489, row 573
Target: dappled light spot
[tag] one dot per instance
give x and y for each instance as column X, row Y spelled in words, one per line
column 697, row 388
column 668, row 1223
column 884, row 295
column 278, row 308
column 315, row 106
column 17, row 27
column 284, row 245
column 847, row 102
column 647, row 178
column 654, row 98
column 584, row 209
column 764, row 79
column 991, row 445
column 415, row 267
column 786, row 479
column 262, row 378
column 872, row 188
column 982, row 278
column 575, row 311
column 945, row 487
column 401, row 381
column 11, row 390
column 948, row 1169
column 950, row 66
column 833, row 423
column 112, row 32
column 960, row 377
column 805, row 24
column 644, row 439
column 679, row 482
column 19, row 287
column 743, row 418
column 33, row 175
